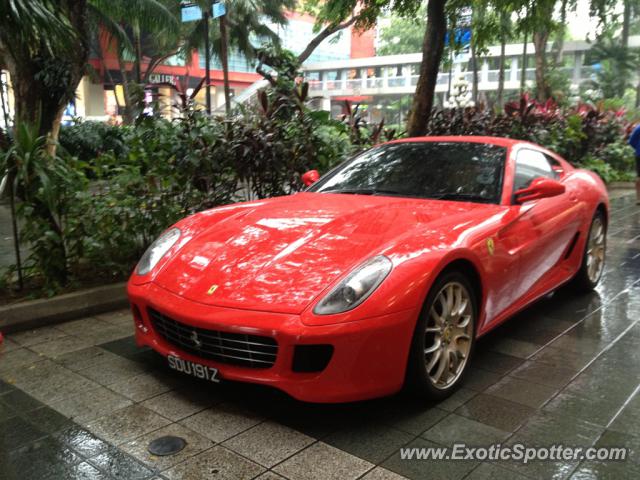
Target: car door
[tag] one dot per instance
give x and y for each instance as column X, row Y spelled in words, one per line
column 545, row 226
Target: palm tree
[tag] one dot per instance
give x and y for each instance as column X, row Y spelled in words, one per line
column 44, row 46
column 144, row 34
column 616, row 66
column 246, row 22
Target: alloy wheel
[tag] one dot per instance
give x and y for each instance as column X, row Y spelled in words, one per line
column 596, row 250
column 448, row 335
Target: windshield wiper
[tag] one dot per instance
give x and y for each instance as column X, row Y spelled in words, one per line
column 361, row 191
column 471, row 197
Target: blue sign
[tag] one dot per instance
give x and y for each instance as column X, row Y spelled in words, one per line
column 191, row 13
column 462, row 37
column 219, row 10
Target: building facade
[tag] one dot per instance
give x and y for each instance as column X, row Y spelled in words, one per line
column 101, row 96
column 384, row 85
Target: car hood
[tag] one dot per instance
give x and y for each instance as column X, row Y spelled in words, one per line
column 279, row 254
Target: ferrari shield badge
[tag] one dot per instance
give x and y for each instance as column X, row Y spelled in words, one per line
column 212, row 289
column 490, row 246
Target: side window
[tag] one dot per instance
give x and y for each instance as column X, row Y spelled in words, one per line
column 531, row 164
column 556, row 166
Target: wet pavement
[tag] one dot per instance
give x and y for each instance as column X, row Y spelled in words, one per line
column 79, row 400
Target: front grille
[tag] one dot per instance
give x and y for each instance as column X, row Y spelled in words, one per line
column 253, row 351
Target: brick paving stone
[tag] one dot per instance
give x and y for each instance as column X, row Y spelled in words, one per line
column 323, row 462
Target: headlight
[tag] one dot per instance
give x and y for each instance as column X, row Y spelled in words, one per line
column 355, row 287
column 157, row 250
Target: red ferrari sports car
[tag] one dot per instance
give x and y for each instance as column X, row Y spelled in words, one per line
column 382, row 274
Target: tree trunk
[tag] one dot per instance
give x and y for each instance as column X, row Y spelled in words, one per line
column 322, row 36
column 14, row 228
column 137, row 62
column 626, row 23
column 432, row 49
column 501, row 67
column 224, row 59
column 38, row 105
column 55, row 132
column 39, row 99
column 543, row 90
column 129, row 116
column 561, row 33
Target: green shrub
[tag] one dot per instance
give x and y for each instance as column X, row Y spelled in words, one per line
column 606, row 171
column 46, row 187
column 89, row 140
column 93, row 219
column 592, row 136
column 619, row 155
column 91, row 211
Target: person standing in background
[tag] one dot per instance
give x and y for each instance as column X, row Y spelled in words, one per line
column 634, row 141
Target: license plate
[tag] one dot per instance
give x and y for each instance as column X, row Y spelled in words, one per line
column 194, row 369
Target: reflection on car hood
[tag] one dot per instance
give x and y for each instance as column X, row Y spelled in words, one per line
column 279, row 254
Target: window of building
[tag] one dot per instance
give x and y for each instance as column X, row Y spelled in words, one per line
column 494, row 63
column 354, row 73
column 237, row 62
column 177, row 60
column 331, row 75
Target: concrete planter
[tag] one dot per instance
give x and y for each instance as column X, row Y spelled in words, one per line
column 69, row 306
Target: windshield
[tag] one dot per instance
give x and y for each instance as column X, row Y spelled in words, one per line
column 440, row 170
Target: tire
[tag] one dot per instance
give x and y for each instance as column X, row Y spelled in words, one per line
column 587, row 278
column 422, row 369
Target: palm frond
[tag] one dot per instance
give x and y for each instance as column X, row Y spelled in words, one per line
column 33, row 24
column 149, row 15
column 111, row 28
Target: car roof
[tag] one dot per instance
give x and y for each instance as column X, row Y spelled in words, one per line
column 501, row 141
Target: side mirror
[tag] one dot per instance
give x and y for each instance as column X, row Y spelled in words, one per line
column 310, row 177
column 541, row 187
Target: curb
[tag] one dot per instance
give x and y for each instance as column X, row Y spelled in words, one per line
column 69, row 306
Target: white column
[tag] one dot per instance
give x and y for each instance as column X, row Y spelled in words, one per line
column 513, row 72
column 407, row 75
column 484, row 72
column 81, row 98
column 577, row 68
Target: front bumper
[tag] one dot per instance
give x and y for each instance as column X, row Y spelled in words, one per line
column 369, row 356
